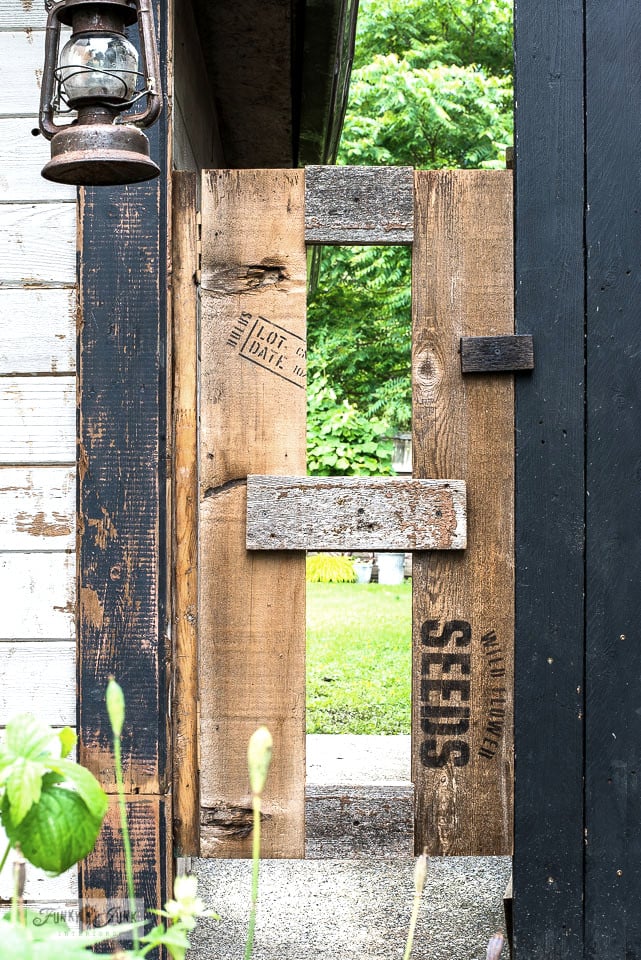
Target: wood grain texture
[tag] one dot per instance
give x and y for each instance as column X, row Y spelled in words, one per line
column 21, row 14
column 550, row 485
column 102, row 873
column 22, row 156
column 359, row 821
column 192, row 98
column 359, row 205
column 38, row 331
column 496, row 354
column 463, row 613
column 37, row 508
column 46, row 684
column 21, row 62
column 37, row 244
column 37, row 420
column 121, row 505
column 186, row 789
column 355, row 513
column 613, row 470
column 253, row 406
column 122, row 542
column 41, row 587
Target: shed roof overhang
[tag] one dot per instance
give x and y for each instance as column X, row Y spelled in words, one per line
column 279, row 74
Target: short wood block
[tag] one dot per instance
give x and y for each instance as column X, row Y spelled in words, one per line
column 359, row 205
column 355, row 513
column 503, row 354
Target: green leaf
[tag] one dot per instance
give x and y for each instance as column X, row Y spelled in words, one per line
column 85, row 784
column 174, row 939
column 23, row 782
column 58, row 831
column 68, row 740
column 30, row 739
column 15, row 943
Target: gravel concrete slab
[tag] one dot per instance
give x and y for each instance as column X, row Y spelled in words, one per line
column 346, row 910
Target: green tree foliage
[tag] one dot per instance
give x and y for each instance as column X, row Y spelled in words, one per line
column 431, row 88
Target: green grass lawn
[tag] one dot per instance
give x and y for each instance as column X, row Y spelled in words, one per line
column 358, row 658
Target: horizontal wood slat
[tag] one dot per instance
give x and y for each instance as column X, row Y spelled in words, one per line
column 37, row 508
column 42, row 591
column 497, row 354
column 354, row 513
column 37, row 420
column 359, row 820
column 38, row 331
column 21, row 62
column 19, row 14
column 359, row 205
column 43, row 680
column 37, row 244
column 22, row 156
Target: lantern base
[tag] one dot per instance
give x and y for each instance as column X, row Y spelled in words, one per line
column 100, row 155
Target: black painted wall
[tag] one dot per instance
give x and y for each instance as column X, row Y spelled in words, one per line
column 577, row 869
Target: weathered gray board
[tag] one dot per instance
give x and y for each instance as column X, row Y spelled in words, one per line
column 354, row 513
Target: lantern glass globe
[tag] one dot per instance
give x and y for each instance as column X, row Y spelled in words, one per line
column 101, row 67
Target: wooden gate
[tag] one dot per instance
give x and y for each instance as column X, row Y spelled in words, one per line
column 244, row 513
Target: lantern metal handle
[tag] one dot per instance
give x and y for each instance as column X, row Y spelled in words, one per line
column 151, row 70
column 52, row 34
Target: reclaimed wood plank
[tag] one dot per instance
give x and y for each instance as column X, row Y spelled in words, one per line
column 353, row 821
column 38, row 331
column 121, row 489
column 37, row 420
column 37, row 244
column 186, row 788
column 21, row 62
column 253, row 410
column 42, row 591
column 550, row 276
column 46, row 686
column 22, row 14
column 497, row 354
column 359, row 205
column 355, row 513
column 22, row 157
column 102, row 873
column 37, row 508
column 613, row 470
column 463, row 604
column 122, row 541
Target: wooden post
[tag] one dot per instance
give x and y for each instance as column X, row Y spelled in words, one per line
column 186, row 791
column 550, row 276
column 253, row 409
column 463, row 613
column 121, row 538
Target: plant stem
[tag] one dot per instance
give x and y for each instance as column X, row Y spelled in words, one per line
column 126, row 842
column 412, row 927
column 255, row 868
column 4, row 858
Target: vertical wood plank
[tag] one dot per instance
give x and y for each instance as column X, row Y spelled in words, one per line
column 122, row 518
column 463, row 607
column 613, row 598
column 253, row 407
column 550, row 484
column 186, row 790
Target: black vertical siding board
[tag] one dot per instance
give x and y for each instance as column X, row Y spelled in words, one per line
column 613, row 680
column 550, row 295
column 121, row 508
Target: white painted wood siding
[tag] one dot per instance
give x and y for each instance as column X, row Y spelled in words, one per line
column 38, row 297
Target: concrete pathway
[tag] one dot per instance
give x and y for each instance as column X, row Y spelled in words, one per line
column 349, row 909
